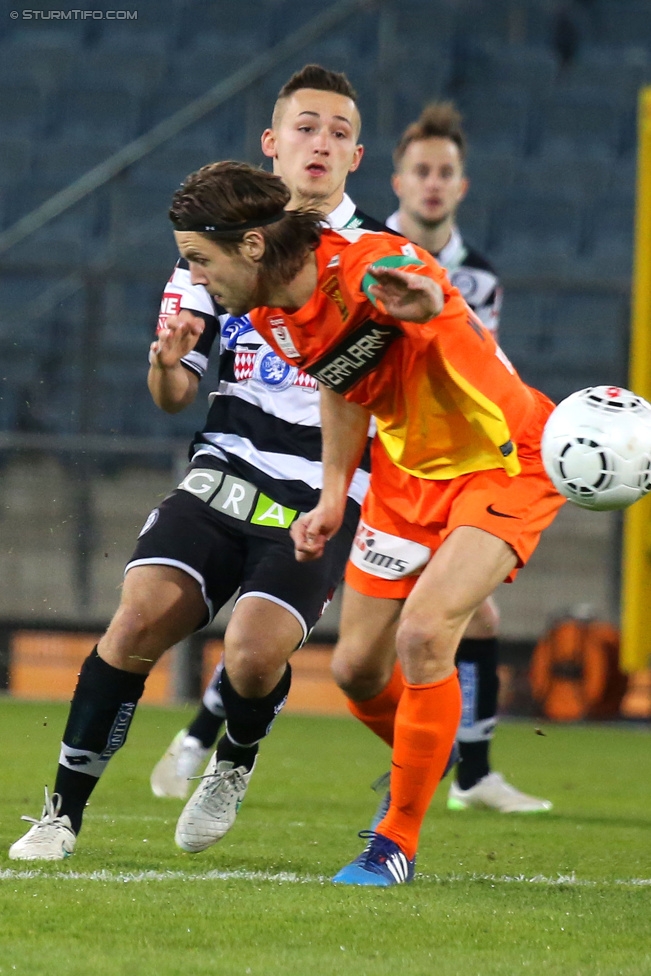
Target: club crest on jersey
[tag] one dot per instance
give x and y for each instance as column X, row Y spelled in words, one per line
column 332, row 290
column 282, row 336
column 273, row 371
column 355, row 356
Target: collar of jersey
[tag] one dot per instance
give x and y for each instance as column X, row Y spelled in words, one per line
column 339, row 217
column 451, row 256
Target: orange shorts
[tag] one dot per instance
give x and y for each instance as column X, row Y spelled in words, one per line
column 405, row 519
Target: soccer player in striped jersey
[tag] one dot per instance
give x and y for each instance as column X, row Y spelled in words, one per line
column 430, row 183
column 255, row 466
column 458, row 495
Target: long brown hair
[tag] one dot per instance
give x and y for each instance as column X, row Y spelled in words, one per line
column 223, row 200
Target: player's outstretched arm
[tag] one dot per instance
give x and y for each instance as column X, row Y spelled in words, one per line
column 405, row 295
column 344, row 431
column 171, row 385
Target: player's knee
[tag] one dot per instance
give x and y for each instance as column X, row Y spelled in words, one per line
column 358, row 679
column 130, row 635
column 431, row 636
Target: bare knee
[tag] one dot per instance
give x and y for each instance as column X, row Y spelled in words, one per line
column 359, row 677
column 426, row 646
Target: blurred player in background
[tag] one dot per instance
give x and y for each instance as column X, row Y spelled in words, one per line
column 256, row 464
column 430, row 183
column 458, row 494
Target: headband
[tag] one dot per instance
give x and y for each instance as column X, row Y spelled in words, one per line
column 235, row 228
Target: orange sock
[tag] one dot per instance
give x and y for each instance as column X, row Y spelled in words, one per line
column 379, row 713
column 426, row 724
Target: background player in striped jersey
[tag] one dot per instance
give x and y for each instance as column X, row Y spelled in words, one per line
column 255, row 465
column 430, row 183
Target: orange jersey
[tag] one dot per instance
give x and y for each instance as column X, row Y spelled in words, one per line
column 446, row 399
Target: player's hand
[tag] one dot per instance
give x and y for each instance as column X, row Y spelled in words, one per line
column 311, row 531
column 176, row 339
column 405, row 295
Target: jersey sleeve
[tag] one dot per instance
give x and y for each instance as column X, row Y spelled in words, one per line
column 180, row 293
column 388, row 250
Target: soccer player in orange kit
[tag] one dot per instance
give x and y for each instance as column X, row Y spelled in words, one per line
column 458, row 495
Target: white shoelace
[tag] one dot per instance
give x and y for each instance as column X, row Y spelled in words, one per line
column 50, row 813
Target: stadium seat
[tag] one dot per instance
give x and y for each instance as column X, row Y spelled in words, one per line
column 496, row 121
column 536, row 234
column 624, row 23
column 611, row 231
column 59, row 162
column 111, row 111
column 139, row 72
column 571, row 177
column 491, row 174
column 23, row 110
column 246, row 22
column 520, row 66
column 15, row 159
column 612, row 70
column 579, row 124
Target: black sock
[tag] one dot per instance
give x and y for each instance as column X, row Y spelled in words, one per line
column 205, row 727
column 98, row 722
column 248, row 720
column 476, row 661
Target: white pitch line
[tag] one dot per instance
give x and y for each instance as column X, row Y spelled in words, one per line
column 288, row 877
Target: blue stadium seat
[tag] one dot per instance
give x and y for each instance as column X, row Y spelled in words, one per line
column 28, row 64
column 139, row 72
column 490, row 64
column 571, row 177
column 491, row 174
column 536, row 235
column 496, row 120
column 59, row 162
column 111, row 111
column 624, row 22
column 246, row 22
column 579, row 123
column 16, row 154
column 611, row 250
column 620, row 73
column 22, row 110
column 167, row 166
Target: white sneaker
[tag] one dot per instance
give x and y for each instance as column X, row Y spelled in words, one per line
column 494, row 793
column 184, row 758
column 49, row 839
column 211, row 810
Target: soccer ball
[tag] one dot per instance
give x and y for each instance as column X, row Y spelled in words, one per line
column 596, row 447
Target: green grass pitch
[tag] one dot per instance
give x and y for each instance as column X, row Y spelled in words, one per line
column 562, row 893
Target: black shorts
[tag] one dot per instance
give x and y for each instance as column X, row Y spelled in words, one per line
column 223, row 555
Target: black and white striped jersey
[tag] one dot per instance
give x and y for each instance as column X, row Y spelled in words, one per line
column 263, row 424
column 471, row 273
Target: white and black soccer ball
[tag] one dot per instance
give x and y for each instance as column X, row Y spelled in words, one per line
column 596, row 447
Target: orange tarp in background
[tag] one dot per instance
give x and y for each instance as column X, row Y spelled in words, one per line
column 45, row 665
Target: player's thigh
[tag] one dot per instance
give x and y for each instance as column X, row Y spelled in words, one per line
column 461, row 575
column 159, row 606
column 184, row 533
column 365, row 653
column 304, row 590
